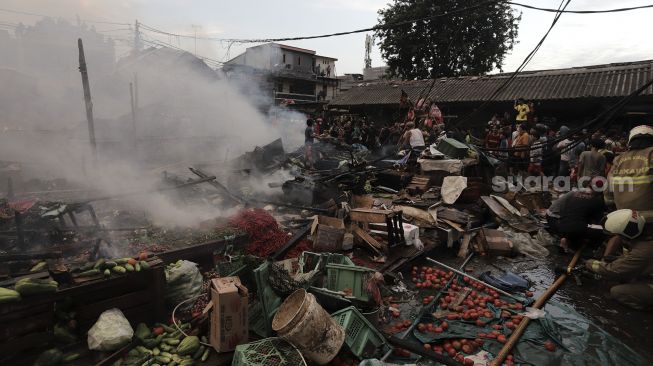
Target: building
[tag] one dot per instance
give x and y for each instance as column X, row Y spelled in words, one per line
column 286, row 73
column 568, row 96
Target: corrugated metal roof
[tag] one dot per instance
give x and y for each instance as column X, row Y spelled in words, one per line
column 600, row 81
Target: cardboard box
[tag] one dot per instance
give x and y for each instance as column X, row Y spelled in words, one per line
column 495, row 242
column 328, row 234
column 229, row 323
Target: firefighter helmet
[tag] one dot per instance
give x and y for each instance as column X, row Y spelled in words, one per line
column 626, row 222
column 640, row 131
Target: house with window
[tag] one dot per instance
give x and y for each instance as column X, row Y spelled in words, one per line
column 286, row 73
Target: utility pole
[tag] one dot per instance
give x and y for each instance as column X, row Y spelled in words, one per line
column 133, row 106
column 87, row 99
column 195, row 28
column 137, row 36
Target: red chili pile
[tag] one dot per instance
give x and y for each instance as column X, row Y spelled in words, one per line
column 265, row 237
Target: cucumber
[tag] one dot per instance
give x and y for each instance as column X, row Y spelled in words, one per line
column 129, row 267
column 143, row 350
column 156, row 351
column 172, row 341
column 144, row 265
column 133, row 352
column 172, row 363
column 166, row 354
column 86, row 267
column 99, row 263
column 39, row 267
column 204, row 339
column 70, row 357
column 119, row 269
column 167, row 328
column 137, row 267
column 110, row 264
column 90, row 272
column 107, row 272
column 118, row 362
column 199, row 352
column 205, row 355
column 121, row 261
column 162, row 359
column 166, row 347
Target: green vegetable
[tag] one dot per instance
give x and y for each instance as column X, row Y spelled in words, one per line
column 119, row 269
column 39, row 267
column 198, row 353
column 90, row 272
column 121, row 261
column 118, row 362
column 71, row 357
column 144, row 265
column 204, row 339
column 99, row 263
column 166, row 354
column 50, row 357
column 166, row 347
column 142, row 331
column 32, row 286
column 148, row 362
column 137, row 267
column 156, row 352
column 162, row 359
column 7, row 295
column 187, row 363
column 167, row 328
column 63, row 335
column 188, row 346
column 129, row 267
column 143, row 350
column 110, row 264
column 86, row 267
column 172, row 363
column 107, row 272
column 205, row 355
column 172, row 341
column 150, row 342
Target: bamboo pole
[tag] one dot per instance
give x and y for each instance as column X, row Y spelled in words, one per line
column 519, row 331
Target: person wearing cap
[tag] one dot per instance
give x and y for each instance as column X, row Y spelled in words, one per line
column 634, row 269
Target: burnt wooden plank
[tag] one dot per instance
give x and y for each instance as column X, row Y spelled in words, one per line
column 292, row 242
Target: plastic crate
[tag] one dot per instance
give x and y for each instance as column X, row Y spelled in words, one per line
column 361, row 336
column 349, row 279
column 267, row 352
column 269, row 299
column 309, row 261
column 453, row 148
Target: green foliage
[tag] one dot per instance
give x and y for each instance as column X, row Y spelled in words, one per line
column 472, row 42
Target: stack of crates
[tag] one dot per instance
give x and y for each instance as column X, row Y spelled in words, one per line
column 349, row 279
column 267, row 352
column 361, row 336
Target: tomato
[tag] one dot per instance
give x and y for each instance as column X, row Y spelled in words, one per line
column 479, row 341
column 452, row 316
column 157, row 330
column 519, row 306
column 460, row 358
column 529, row 293
column 132, row 261
column 438, row 330
column 469, row 362
column 427, row 346
column 395, row 314
column 444, row 325
column 456, row 345
column 510, row 325
column 549, row 346
column 497, row 302
column 487, row 314
column 480, row 323
column 407, row 323
column 451, row 352
column 467, row 348
column 444, row 305
column 421, row 327
column 501, row 338
column 466, row 279
column 491, row 335
column 142, row 256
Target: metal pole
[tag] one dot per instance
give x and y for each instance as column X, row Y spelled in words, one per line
column 87, row 99
column 473, row 278
column 133, row 106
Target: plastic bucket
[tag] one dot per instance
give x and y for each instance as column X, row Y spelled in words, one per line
column 301, row 321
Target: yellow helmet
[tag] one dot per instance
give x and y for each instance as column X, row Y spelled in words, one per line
column 626, row 222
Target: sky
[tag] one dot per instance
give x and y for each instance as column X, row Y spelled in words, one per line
column 577, row 40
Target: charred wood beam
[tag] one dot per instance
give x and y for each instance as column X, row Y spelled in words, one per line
column 217, row 185
column 292, row 242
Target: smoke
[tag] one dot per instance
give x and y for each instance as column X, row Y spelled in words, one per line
column 186, row 113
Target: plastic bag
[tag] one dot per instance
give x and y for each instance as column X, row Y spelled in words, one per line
column 525, row 244
column 110, row 332
column 183, row 281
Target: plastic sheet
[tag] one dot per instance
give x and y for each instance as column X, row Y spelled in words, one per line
column 183, row 281
column 110, row 332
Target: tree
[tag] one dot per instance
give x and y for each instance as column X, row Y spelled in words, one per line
column 469, row 42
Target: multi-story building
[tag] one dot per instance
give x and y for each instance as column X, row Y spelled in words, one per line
column 287, row 73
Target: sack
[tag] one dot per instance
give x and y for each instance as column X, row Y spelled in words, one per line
column 110, row 332
column 183, row 281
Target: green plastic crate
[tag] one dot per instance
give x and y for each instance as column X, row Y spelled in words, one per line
column 453, row 148
column 309, row 261
column 270, row 301
column 267, row 352
column 361, row 336
column 348, row 279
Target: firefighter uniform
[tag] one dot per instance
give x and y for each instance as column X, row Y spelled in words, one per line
column 637, row 266
column 631, row 187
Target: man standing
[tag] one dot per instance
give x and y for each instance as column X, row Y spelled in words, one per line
column 522, row 111
column 592, row 163
column 565, row 153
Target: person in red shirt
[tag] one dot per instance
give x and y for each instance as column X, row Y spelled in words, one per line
column 493, row 138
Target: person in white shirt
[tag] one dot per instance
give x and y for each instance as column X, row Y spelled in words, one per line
column 413, row 137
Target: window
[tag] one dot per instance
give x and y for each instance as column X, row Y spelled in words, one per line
column 284, row 58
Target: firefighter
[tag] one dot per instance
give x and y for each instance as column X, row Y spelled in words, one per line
column 635, row 267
